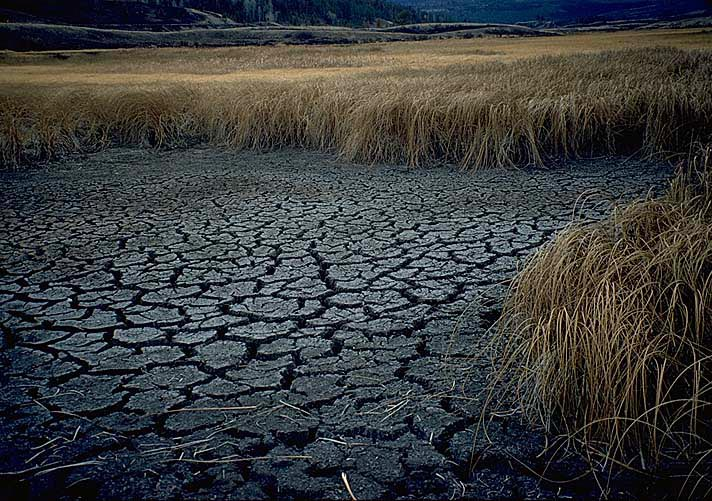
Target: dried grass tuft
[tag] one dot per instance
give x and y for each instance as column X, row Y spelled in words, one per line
column 606, row 334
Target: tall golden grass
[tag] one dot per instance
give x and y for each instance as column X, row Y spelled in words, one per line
column 476, row 114
column 606, row 334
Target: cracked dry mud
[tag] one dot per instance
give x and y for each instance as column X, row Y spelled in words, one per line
column 213, row 325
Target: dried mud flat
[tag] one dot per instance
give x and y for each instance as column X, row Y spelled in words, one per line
column 203, row 324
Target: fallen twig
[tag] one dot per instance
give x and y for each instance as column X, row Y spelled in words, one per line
column 348, row 486
column 213, row 409
column 232, row 459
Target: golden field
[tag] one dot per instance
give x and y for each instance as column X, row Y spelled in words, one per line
column 476, row 102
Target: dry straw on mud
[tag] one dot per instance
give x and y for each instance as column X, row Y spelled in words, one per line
column 475, row 114
column 606, row 334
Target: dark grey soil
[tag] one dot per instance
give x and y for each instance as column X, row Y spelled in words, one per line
column 218, row 325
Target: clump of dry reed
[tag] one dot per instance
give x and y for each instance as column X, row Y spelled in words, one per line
column 55, row 123
column 606, row 334
column 477, row 115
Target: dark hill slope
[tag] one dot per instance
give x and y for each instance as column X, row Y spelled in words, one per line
column 560, row 11
column 204, row 12
column 36, row 36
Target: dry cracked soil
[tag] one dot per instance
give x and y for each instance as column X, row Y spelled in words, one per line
column 203, row 324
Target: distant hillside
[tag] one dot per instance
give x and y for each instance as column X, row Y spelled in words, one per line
column 562, row 11
column 205, row 12
column 36, row 36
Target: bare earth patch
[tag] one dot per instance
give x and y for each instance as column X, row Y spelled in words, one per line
column 209, row 323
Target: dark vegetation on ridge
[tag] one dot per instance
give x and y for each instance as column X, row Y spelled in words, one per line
column 557, row 11
column 206, row 12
